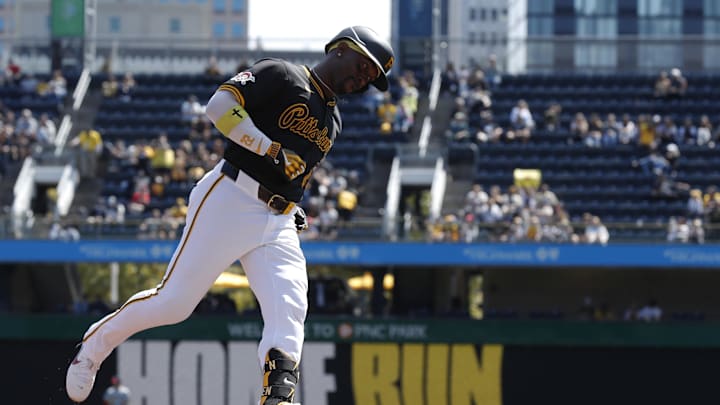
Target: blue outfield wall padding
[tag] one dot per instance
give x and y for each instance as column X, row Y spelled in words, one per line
column 384, row 253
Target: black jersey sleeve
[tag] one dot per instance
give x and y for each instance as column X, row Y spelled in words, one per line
column 259, row 84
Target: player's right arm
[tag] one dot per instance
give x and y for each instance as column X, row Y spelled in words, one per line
column 233, row 121
column 226, row 109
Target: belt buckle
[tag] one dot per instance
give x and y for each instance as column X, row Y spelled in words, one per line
column 290, row 205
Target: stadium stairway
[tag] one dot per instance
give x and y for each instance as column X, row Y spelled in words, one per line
column 457, row 187
column 460, row 164
column 373, row 197
column 381, row 163
column 89, row 189
column 7, row 182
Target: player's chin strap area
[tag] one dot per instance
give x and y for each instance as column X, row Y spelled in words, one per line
column 280, row 379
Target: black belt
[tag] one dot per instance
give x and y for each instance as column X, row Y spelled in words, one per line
column 275, row 202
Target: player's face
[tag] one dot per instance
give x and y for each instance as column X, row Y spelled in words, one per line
column 359, row 71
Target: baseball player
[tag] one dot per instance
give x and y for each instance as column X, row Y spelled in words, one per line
column 281, row 120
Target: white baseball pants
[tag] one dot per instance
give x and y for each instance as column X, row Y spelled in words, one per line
column 225, row 222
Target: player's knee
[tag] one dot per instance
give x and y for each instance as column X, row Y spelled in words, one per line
column 182, row 312
column 299, row 311
column 175, row 311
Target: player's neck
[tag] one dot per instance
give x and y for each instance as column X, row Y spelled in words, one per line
column 322, row 78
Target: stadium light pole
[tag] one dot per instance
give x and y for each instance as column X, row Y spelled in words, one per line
column 90, row 38
column 436, row 18
column 114, row 282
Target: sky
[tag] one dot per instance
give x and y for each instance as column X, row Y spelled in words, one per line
column 309, row 24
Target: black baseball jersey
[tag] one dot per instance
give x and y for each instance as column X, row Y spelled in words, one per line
column 287, row 103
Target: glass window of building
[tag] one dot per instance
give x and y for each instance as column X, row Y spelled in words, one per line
column 238, row 30
column 483, row 14
column 2, row 3
column 597, row 27
column 711, row 8
column 493, row 14
column 2, row 24
column 660, row 27
column 710, row 59
column 219, row 30
column 238, row 6
column 662, row 19
column 659, row 8
column 114, row 24
column 541, row 18
column 472, row 14
column 711, row 29
column 540, row 26
column 541, row 6
column 596, row 7
column 540, row 54
column 541, row 23
column 219, row 6
column 711, row 22
column 596, row 18
column 596, row 56
column 658, row 56
column 175, row 26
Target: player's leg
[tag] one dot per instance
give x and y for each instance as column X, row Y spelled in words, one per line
column 278, row 277
column 204, row 251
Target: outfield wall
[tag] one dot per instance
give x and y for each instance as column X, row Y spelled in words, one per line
column 213, row 360
column 387, row 254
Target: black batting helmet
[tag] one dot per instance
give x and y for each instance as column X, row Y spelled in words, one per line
column 374, row 47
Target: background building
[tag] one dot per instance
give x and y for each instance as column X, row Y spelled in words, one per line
column 477, row 29
column 538, row 35
column 124, row 25
column 585, row 34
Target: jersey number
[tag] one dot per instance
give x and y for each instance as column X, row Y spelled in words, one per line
column 247, row 140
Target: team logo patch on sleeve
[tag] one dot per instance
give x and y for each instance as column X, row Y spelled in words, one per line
column 244, row 77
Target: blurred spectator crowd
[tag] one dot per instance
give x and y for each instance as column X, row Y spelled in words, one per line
column 165, row 168
column 24, row 129
column 519, row 214
column 660, row 137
